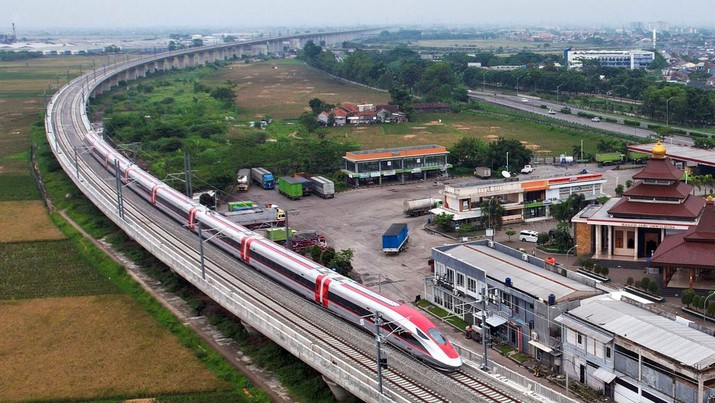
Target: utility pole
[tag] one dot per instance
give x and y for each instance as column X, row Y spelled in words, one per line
column 485, row 366
column 378, row 321
column 187, row 173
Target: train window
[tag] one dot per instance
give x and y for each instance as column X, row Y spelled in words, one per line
column 422, row 335
column 437, row 336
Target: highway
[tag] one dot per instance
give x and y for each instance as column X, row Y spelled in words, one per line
column 335, row 348
column 533, row 105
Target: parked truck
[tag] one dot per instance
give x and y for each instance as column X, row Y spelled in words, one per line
column 305, row 184
column 241, row 205
column 290, row 187
column 483, row 172
column 279, row 235
column 323, row 187
column 263, row 177
column 259, row 217
column 609, row 158
column 243, row 179
column 417, row 207
column 395, row 238
column 304, row 239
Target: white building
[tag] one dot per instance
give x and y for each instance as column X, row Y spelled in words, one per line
column 626, row 59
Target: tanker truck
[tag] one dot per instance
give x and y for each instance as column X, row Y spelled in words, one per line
column 417, row 207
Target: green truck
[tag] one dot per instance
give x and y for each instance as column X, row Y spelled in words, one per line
column 609, row 158
column 290, row 187
column 278, row 235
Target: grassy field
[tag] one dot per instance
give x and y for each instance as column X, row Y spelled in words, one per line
column 18, row 186
column 282, row 89
column 47, row 269
column 446, row 129
column 95, row 347
column 26, row 220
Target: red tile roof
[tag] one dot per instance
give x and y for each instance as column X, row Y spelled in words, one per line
column 659, row 168
column 692, row 248
column 677, row 190
column 391, row 108
column 688, row 210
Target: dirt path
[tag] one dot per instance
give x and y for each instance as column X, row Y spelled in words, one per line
column 229, row 349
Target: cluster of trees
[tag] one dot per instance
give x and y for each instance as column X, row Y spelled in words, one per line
column 471, row 152
column 678, row 104
column 340, row 261
column 689, row 297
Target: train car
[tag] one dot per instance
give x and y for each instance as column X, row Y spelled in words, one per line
column 406, row 327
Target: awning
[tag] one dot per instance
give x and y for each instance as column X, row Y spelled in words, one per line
column 542, row 347
column 604, row 375
column 495, row 321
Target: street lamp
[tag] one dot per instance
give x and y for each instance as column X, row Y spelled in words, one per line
column 705, row 305
column 667, row 111
column 507, row 161
column 581, row 149
column 484, row 81
column 557, row 91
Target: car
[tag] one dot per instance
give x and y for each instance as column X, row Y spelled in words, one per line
column 552, row 112
column 595, row 119
column 528, row 236
column 527, row 169
column 524, row 100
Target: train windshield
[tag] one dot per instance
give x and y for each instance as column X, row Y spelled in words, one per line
column 422, row 335
column 437, row 336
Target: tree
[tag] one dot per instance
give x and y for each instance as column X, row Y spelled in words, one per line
column 342, row 262
column 619, row 190
column 519, row 155
column 629, row 183
column 510, row 233
column 316, row 105
column 698, row 301
column 444, row 222
column 492, row 213
column 197, row 43
column 309, row 122
column 687, row 297
column 468, row 152
column 311, row 50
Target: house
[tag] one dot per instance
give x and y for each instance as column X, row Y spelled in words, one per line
column 710, row 82
column 390, row 113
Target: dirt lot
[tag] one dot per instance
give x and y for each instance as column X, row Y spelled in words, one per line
column 356, row 219
column 26, row 221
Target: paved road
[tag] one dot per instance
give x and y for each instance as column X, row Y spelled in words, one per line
column 533, row 105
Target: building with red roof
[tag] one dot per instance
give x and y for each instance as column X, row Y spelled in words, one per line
column 690, row 255
column 633, row 226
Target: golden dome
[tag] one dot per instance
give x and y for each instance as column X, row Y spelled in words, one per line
column 658, row 150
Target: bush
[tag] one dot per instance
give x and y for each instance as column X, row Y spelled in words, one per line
column 597, row 269
column 631, row 122
column 588, row 264
column 629, row 281
column 604, row 271
column 653, row 287
column 687, row 297
column 645, row 281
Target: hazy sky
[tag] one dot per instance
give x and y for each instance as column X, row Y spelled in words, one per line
column 47, row 14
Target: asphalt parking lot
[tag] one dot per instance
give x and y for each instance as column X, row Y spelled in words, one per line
column 356, row 219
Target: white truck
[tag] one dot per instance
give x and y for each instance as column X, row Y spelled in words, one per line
column 243, row 179
column 322, row 187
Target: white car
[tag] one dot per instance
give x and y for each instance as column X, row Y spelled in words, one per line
column 524, row 100
column 595, row 119
column 552, row 112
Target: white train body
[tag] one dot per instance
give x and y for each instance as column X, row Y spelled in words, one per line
column 407, row 327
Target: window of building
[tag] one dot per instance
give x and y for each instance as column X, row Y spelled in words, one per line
column 450, row 276
column 579, row 339
column 515, row 304
column 608, row 352
column 460, row 280
column 471, row 284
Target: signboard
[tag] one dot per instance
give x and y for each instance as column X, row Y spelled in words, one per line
column 416, row 170
column 374, row 174
column 389, row 172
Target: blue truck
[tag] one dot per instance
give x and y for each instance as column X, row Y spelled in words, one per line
column 263, row 178
column 395, row 238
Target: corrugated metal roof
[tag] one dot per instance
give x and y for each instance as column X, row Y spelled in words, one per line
column 526, row 277
column 674, row 340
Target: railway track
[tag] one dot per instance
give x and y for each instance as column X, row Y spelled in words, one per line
column 234, row 277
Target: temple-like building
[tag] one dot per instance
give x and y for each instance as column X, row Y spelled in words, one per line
column 633, row 226
column 690, row 256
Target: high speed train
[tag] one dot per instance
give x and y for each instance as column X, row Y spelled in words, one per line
column 406, row 327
